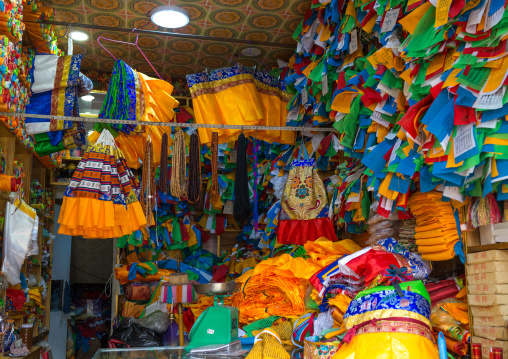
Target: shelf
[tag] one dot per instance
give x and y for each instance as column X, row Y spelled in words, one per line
column 34, row 349
column 71, row 159
column 59, row 183
column 487, row 247
column 40, row 336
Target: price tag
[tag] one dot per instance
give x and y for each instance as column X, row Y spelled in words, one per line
column 353, row 45
column 324, row 83
column 228, row 208
column 390, row 20
column 232, row 156
column 305, row 97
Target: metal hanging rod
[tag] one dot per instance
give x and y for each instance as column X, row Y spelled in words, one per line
column 169, row 124
column 166, row 33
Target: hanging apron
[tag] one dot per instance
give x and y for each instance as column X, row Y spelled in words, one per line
column 304, row 205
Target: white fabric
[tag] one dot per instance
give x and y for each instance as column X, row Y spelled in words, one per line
column 17, row 236
column 44, row 73
column 33, row 128
column 34, row 245
column 322, row 322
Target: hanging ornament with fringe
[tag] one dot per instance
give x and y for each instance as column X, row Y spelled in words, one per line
column 178, row 167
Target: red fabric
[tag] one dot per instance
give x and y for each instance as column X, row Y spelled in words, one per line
column 188, row 319
column 18, row 298
column 442, row 290
column 302, row 231
column 372, row 263
column 220, row 273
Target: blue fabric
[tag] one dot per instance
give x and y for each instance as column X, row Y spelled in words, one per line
column 388, row 299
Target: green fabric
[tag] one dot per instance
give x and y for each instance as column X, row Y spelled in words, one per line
column 259, row 324
column 416, row 286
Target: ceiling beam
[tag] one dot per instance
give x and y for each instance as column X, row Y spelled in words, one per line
column 169, row 34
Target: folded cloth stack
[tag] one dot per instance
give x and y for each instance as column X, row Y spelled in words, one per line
column 277, row 286
column 436, row 230
column 407, row 235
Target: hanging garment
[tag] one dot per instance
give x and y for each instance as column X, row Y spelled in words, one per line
column 20, row 219
column 241, row 96
column 101, row 200
column 56, row 80
column 304, row 212
column 136, row 97
column 383, row 323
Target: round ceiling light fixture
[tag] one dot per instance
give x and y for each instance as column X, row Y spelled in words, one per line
column 250, row 52
column 79, row 36
column 88, row 98
column 169, row 16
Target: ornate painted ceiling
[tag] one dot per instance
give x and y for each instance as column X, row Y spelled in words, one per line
column 272, row 21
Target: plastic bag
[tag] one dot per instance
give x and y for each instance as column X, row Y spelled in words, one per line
column 157, row 321
column 379, row 226
column 135, row 335
column 382, row 234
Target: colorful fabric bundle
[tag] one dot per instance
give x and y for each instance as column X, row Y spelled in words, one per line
column 174, row 294
column 395, row 323
column 243, row 96
column 304, row 213
column 436, row 226
column 101, row 201
column 54, row 92
column 277, row 286
column 136, row 97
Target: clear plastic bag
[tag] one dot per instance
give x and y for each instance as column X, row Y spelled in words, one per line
column 157, row 321
column 379, row 226
column 382, row 234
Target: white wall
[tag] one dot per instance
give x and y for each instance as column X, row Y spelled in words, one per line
column 61, row 271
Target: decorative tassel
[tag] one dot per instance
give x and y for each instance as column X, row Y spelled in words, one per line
column 178, row 171
column 194, row 169
column 215, row 164
column 163, row 173
column 147, row 197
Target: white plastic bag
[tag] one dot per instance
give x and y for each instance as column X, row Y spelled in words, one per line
column 19, row 223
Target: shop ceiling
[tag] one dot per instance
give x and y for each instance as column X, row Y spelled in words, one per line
column 267, row 24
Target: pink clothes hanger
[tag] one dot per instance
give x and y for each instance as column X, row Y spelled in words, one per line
column 127, row 43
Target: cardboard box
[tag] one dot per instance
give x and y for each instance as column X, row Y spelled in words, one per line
column 496, row 311
column 490, row 321
column 494, row 333
column 487, row 256
column 487, row 288
column 488, row 278
column 486, row 235
column 483, row 300
column 487, row 267
column 489, row 343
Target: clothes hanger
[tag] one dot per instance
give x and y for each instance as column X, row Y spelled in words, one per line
column 127, row 43
column 59, row 37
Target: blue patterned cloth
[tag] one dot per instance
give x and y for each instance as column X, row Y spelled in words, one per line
column 389, row 299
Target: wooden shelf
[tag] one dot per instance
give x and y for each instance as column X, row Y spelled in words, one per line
column 40, row 336
column 71, row 159
column 59, row 183
column 487, row 247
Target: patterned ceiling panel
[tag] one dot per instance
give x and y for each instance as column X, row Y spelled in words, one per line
column 270, row 21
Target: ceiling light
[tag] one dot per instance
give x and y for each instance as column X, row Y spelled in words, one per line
column 169, row 16
column 88, row 98
column 79, row 36
column 251, row 52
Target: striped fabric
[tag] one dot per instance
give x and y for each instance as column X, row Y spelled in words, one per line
column 177, row 294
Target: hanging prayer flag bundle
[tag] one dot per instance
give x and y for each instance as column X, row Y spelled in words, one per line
column 101, row 201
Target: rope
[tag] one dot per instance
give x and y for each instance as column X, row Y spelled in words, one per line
column 169, row 124
column 215, row 163
column 241, row 209
column 163, row 173
column 194, row 186
column 178, row 171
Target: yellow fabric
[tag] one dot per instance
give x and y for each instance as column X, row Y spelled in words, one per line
column 353, row 320
column 388, row 346
column 277, row 286
column 436, row 231
column 240, row 100
column 459, row 311
column 269, row 344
